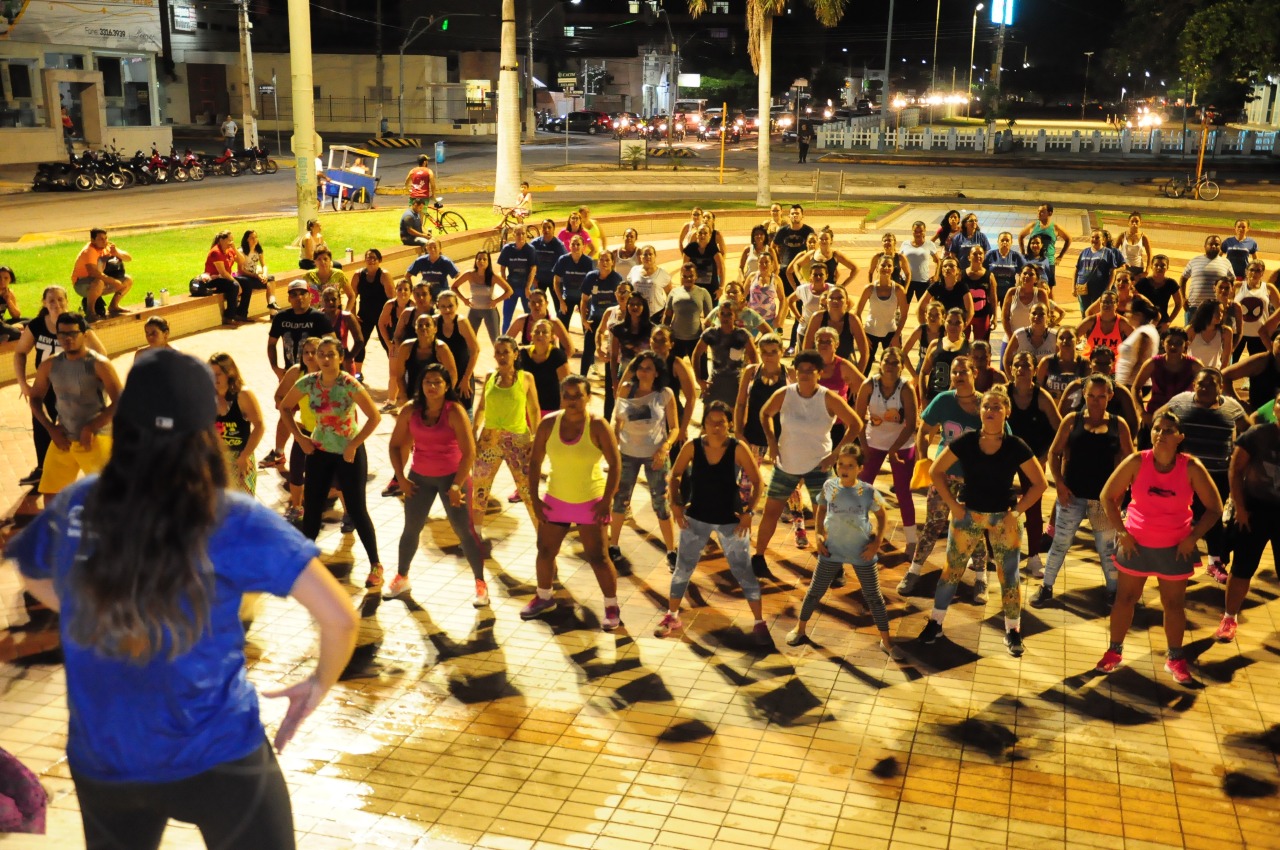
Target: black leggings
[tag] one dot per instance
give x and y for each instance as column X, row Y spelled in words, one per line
column 324, row 469
column 235, row 297
column 40, row 434
column 241, row 803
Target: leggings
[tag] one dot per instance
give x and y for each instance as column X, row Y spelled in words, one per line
column 588, row 347
column 1004, row 530
column 494, row 447
column 1215, row 540
column 901, row 468
column 40, row 434
column 323, row 468
column 487, row 315
column 509, row 306
column 416, row 508
column 917, row 289
column 737, row 550
column 876, row 343
column 629, row 474
column 238, row 803
column 868, row 577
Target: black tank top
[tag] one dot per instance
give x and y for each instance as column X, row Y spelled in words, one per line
column 940, row 376
column 233, row 427
column 844, row 346
column 416, row 363
column 1262, row 387
column 676, row 390
column 457, row 346
column 46, row 341
column 1090, row 457
column 1057, row 381
column 757, row 395
column 372, row 297
column 1031, row 425
column 713, row 490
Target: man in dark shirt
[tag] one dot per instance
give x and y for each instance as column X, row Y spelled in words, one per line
column 548, row 249
column 294, row 325
column 519, row 263
column 412, row 231
column 437, row 270
column 790, row 240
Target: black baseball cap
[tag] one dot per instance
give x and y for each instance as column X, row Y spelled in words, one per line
column 168, row 392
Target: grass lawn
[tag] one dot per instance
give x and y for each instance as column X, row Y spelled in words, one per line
column 1224, row 223
column 168, row 259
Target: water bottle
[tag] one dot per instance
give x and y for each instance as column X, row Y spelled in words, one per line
column 164, row 297
column 151, row 301
column 350, row 255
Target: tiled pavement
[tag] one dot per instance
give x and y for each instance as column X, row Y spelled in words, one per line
column 459, row 728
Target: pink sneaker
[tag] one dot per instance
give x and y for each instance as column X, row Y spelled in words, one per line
column 399, row 584
column 1217, row 572
column 1226, row 630
column 1177, row 668
column 612, row 618
column 670, row 623
column 802, row 536
column 1110, row 661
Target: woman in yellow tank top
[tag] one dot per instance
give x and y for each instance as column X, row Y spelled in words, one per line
column 504, row 422
column 578, row 493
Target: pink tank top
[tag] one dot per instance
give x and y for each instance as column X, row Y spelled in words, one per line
column 435, row 447
column 1160, row 514
column 835, row 381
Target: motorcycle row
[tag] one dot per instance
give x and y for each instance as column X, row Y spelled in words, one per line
column 108, row 169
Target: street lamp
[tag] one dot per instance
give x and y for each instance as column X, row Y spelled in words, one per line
column 1084, row 98
column 888, row 74
column 973, row 40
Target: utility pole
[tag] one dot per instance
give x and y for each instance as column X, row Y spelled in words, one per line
column 247, row 87
column 884, row 92
column 304, row 110
column 530, row 120
column 1084, row 97
column 379, row 72
column 995, row 70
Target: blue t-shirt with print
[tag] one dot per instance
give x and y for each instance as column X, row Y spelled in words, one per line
column 849, row 525
column 437, row 273
column 517, row 262
column 1239, row 252
column 166, row 719
column 601, row 292
column 572, row 274
column 547, row 251
column 952, row 421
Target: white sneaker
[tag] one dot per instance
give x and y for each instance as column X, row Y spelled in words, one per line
column 1035, row 567
column 399, row 584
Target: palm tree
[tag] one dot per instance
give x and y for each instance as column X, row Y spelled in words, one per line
column 506, row 184
column 760, row 15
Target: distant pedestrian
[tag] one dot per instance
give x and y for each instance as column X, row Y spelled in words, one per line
column 804, row 138
column 229, row 130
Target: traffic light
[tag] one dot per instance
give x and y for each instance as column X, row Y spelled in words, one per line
column 444, row 25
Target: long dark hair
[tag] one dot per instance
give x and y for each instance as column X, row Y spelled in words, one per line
column 659, row 367
column 488, row 266
column 146, row 585
column 945, row 232
column 420, row 397
column 244, row 244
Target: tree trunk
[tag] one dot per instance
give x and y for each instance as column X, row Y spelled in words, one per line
column 764, row 92
column 506, row 188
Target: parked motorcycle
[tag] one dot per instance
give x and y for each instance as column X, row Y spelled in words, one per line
column 257, row 160
column 191, row 163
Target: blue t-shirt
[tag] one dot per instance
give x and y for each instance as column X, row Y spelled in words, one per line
column 960, row 245
column 517, row 262
column 572, row 274
column 437, row 274
column 1004, row 268
column 848, row 525
column 410, row 219
column 168, row 719
column 601, row 292
column 1239, row 252
column 548, row 251
column 952, row 421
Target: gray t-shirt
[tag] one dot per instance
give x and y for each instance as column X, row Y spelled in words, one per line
column 688, row 308
column 1208, row 433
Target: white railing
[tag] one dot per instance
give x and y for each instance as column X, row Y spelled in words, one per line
column 864, row 132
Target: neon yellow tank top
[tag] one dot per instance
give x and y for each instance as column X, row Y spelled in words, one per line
column 576, row 476
column 504, row 407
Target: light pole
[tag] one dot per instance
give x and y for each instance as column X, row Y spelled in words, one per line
column 1084, row 98
column 888, row 75
column 531, row 124
column 973, row 41
column 933, row 80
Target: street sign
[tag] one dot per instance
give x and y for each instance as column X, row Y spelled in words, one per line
column 567, row 81
column 266, row 89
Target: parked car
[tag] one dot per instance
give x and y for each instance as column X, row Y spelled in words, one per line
column 584, row 121
column 864, row 107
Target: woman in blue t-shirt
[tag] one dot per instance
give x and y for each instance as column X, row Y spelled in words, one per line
column 147, row 572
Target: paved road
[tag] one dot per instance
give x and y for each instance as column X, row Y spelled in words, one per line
column 469, row 169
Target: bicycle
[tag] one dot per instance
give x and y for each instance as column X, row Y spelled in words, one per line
column 503, row 230
column 444, row 221
column 1203, row 189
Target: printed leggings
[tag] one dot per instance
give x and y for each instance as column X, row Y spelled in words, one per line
column 936, row 519
column 494, row 447
column 868, row 577
column 1004, row 530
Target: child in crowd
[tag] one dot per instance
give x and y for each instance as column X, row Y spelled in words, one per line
column 843, row 522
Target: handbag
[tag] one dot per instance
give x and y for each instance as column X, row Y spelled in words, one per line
column 920, row 478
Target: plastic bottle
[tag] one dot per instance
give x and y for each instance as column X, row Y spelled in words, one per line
column 164, row 297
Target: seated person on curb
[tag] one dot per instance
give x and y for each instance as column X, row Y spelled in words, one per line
column 90, row 278
column 218, row 272
column 412, row 230
column 11, row 321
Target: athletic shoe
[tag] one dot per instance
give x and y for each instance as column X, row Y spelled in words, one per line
column 980, row 593
column 612, row 618
column 1043, row 597
column 892, row 651
column 348, row 524
column 392, row 488
column 794, row 638
column 1109, row 662
column 1216, row 571
column 272, row 306
column 786, row 518
column 514, row 498
column 760, row 567
column 802, row 537
column 1177, row 668
column 293, row 515
column 670, row 623
column 388, row 407
column 273, row 458
column 482, row 594
column 671, row 562
column 908, row 584
column 32, row 477
column 1035, row 567
column 399, row 584
column 374, row 579
column 838, row 580
column 1013, row 642
column 537, row 607
column 615, row 555
column 760, row 632
column 931, row 632
column 1226, row 630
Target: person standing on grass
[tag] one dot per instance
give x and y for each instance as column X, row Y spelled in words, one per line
column 715, row 461
column 578, row 493
column 845, row 536
column 1156, row 537
column 435, row 438
column 147, row 572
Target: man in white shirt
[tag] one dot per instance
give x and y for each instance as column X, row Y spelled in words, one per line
column 1202, row 272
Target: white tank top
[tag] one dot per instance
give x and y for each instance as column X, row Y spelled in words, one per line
column 1046, row 347
column 1019, row 313
column 753, row 262
column 881, row 317
column 1134, row 254
column 1209, row 352
column 806, row 431
column 1126, row 366
column 919, row 259
column 884, row 416
column 1254, row 306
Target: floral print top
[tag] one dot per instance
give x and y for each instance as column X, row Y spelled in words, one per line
column 334, row 409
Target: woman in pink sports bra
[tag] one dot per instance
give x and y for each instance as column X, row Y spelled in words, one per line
column 1157, row 537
